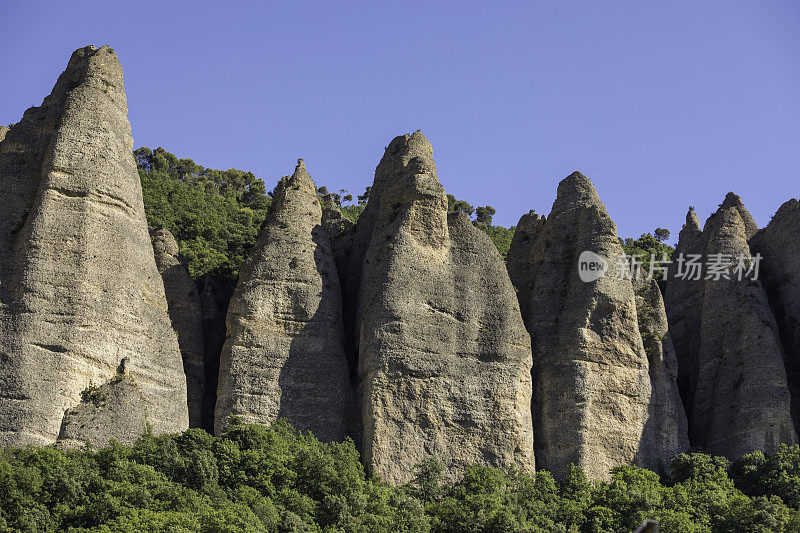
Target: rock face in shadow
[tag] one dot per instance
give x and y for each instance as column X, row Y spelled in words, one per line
column 734, row 383
column 185, row 312
column 215, row 296
column 518, row 262
column 779, row 247
column 593, row 402
column 79, row 288
column 683, row 304
column 665, row 433
column 444, row 359
column 284, row 355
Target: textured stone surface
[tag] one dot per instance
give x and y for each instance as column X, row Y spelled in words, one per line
column 444, row 358
column 518, row 260
column 185, row 313
column 683, row 304
column 79, row 288
column 735, row 388
column 779, row 246
column 118, row 404
column 734, row 201
column 665, row 432
column 592, row 393
column 284, row 356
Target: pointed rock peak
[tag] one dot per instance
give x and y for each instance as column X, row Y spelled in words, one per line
column 301, row 176
column 576, row 187
column 692, row 220
column 98, row 68
column 80, row 57
column 734, row 201
column 407, row 163
column 410, row 145
column 530, row 220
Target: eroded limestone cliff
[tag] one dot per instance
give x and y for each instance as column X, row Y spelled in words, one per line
column 185, row 312
column 284, row 355
column 79, row 288
column 443, row 356
column 732, row 375
column 597, row 402
column 779, row 246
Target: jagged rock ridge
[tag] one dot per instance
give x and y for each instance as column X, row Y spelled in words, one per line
column 443, row 356
column 284, row 355
column 79, row 288
column 732, row 377
column 593, row 402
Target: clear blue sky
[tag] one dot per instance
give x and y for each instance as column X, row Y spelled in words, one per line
column 661, row 104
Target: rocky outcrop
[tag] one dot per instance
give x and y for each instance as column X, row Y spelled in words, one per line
column 444, row 359
column 518, row 262
column 116, row 404
column 185, row 313
column 284, row 355
column 665, row 433
column 79, row 288
column 734, row 386
column 593, row 389
column 333, row 220
column 779, row 247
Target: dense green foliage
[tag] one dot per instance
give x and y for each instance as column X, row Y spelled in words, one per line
column 275, row 479
column 501, row 236
column 649, row 247
column 214, row 214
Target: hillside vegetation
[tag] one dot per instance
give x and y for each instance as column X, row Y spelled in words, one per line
column 256, row 479
column 213, row 214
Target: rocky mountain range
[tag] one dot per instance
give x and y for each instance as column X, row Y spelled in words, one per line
column 406, row 331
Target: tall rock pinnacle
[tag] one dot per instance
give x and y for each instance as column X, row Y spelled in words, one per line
column 284, row 355
column 779, row 247
column 185, row 312
column 81, row 301
column 593, row 389
column 665, row 433
column 732, row 376
column 443, row 356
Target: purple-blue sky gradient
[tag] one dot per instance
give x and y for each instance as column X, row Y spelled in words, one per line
column 661, row 104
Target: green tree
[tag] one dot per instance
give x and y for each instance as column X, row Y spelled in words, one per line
column 661, row 234
column 214, row 214
column 483, row 215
